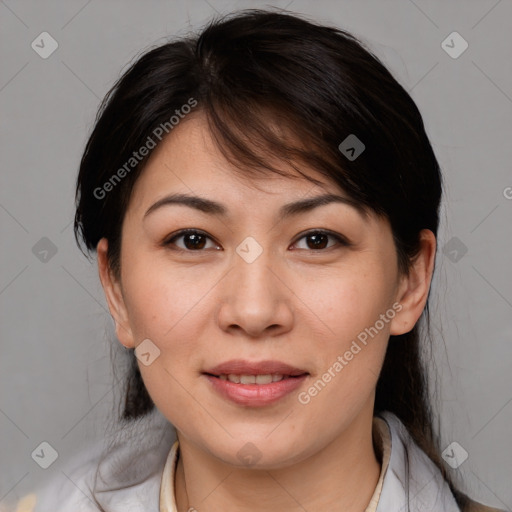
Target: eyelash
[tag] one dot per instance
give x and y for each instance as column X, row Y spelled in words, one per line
column 341, row 240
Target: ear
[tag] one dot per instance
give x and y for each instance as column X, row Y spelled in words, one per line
column 114, row 296
column 413, row 288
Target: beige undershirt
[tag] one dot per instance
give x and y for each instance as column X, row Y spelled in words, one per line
column 381, row 441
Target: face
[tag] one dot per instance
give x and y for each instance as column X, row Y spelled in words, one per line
column 297, row 303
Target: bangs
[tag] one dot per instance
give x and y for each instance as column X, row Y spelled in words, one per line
column 259, row 139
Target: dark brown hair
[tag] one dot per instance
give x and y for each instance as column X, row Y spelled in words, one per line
column 271, row 83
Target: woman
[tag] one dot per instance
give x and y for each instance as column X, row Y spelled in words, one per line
column 263, row 200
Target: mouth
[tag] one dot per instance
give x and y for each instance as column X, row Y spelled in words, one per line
column 258, row 380
column 255, row 383
column 244, row 368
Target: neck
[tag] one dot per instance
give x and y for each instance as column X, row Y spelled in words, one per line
column 341, row 476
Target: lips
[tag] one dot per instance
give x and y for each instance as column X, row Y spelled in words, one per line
column 243, row 367
column 255, row 384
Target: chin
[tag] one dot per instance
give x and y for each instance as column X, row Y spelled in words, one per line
column 258, row 451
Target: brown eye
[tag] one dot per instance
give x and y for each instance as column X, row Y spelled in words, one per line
column 318, row 240
column 192, row 240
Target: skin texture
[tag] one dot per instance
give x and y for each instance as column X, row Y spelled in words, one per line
column 294, row 303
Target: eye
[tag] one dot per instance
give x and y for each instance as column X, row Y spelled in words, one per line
column 319, row 240
column 193, row 240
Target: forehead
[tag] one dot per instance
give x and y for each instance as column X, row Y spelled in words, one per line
column 189, row 159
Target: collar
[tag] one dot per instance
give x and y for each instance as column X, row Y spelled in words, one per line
column 413, row 483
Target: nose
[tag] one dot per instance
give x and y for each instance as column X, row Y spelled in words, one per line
column 255, row 299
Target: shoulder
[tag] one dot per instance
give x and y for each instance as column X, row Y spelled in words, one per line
column 59, row 495
column 120, row 475
column 474, row 506
column 469, row 505
column 412, row 473
column 69, row 489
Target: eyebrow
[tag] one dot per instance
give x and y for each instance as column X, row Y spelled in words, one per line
column 291, row 209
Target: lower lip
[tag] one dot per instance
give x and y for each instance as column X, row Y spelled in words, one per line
column 255, row 395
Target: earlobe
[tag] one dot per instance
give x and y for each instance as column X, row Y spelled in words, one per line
column 413, row 289
column 114, row 296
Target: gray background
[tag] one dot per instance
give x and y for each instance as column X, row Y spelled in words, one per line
column 55, row 373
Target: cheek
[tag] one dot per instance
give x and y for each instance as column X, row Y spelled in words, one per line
column 165, row 306
column 346, row 303
column 351, row 339
column 161, row 299
column 173, row 308
column 349, row 356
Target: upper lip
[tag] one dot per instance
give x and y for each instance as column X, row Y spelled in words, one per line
column 243, row 367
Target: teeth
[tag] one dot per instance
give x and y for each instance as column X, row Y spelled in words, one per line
column 263, row 379
column 252, row 379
